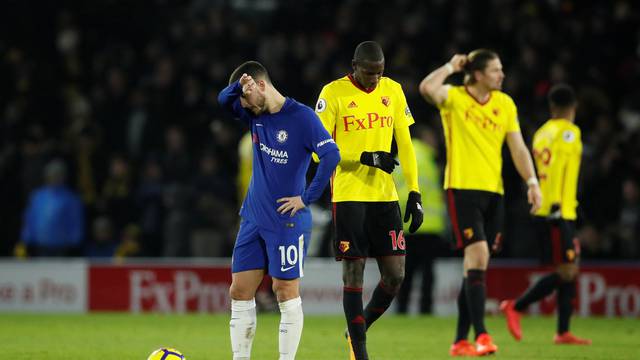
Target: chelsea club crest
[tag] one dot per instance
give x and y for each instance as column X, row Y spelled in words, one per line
column 282, row 136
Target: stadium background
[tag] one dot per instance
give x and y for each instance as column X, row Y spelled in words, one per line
column 131, row 88
column 124, row 93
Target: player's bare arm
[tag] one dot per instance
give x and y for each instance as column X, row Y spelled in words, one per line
column 432, row 87
column 522, row 160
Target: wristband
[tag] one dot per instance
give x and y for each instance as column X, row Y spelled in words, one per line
column 532, row 181
column 449, row 68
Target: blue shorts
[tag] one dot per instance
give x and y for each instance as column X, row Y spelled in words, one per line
column 281, row 252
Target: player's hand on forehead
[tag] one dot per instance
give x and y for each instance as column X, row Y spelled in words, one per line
column 245, row 79
column 247, row 83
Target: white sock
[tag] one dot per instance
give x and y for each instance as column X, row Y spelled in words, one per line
column 291, row 319
column 242, row 327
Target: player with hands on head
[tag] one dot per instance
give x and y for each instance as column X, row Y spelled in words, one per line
column 365, row 112
column 477, row 119
column 276, row 223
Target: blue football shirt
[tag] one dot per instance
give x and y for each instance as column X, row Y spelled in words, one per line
column 282, row 146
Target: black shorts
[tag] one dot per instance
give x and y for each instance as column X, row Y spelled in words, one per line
column 475, row 216
column 367, row 229
column 558, row 242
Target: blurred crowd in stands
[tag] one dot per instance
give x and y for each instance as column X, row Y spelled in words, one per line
column 117, row 99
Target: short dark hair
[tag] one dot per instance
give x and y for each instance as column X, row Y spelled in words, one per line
column 561, row 96
column 368, row 51
column 477, row 61
column 251, row 68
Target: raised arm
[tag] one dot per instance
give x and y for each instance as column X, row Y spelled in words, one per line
column 522, row 160
column 229, row 97
column 432, row 87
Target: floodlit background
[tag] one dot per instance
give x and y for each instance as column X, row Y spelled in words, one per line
column 118, row 99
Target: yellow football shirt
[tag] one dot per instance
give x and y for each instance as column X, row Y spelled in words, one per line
column 362, row 121
column 474, row 134
column 557, row 150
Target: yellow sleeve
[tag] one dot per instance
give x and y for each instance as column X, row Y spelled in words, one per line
column 555, row 175
column 245, row 157
column 326, row 111
column 449, row 100
column 569, row 188
column 563, row 172
column 407, row 156
column 513, row 124
column 403, row 113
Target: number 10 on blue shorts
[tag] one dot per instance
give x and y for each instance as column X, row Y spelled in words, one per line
column 281, row 253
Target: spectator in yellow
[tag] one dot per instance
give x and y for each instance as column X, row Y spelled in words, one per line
column 245, row 154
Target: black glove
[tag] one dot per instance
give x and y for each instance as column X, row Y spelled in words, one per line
column 414, row 208
column 380, row 159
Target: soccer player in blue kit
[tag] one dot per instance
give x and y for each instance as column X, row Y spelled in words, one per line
column 276, row 222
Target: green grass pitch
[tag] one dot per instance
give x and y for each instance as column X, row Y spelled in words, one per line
column 124, row 336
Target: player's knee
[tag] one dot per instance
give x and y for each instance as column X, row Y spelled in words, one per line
column 285, row 290
column 353, row 273
column 286, row 294
column 353, row 279
column 237, row 292
column 476, row 256
column 392, row 282
column 476, row 262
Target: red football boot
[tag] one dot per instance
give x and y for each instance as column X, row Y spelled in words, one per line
column 568, row 338
column 513, row 318
column 485, row 345
column 462, row 348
